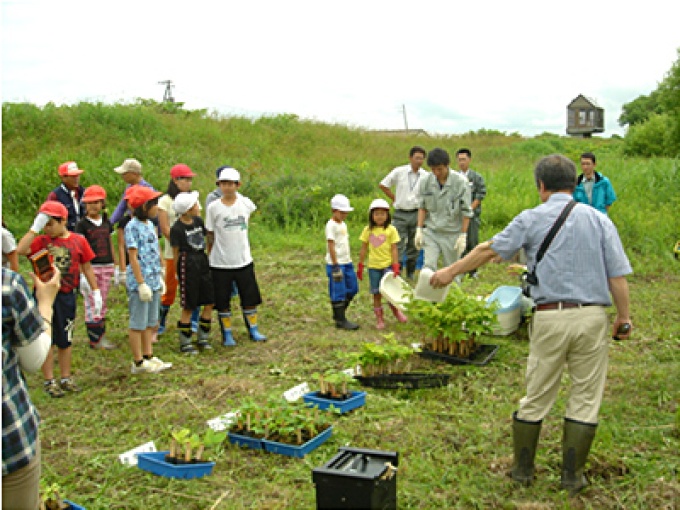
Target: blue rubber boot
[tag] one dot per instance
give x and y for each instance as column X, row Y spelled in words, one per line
column 224, row 319
column 194, row 319
column 163, row 316
column 250, row 318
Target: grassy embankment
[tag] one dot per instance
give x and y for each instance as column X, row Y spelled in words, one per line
column 454, row 442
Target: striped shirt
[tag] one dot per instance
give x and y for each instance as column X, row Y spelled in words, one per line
column 21, row 325
column 584, row 254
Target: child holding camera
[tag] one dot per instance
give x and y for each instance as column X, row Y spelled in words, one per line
column 71, row 254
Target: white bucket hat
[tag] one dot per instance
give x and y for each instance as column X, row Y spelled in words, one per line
column 341, row 203
column 379, row 203
column 185, row 201
column 229, row 174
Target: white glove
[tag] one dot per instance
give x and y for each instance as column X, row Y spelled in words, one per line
column 98, row 302
column 39, row 222
column 461, row 243
column 145, row 293
column 419, row 238
column 119, row 277
column 85, row 288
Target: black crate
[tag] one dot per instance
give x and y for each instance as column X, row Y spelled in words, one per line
column 357, row 478
column 481, row 356
column 407, row 381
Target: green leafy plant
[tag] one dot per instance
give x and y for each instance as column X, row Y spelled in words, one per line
column 385, row 358
column 50, row 498
column 454, row 325
column 334, row 383
column 189, row 447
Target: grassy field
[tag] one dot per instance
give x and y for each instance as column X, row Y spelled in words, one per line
column 454, row 442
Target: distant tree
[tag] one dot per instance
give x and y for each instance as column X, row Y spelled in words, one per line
column 669, row 97
column 640, row 109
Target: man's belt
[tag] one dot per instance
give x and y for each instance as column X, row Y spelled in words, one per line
column 407, row 210
column 561, row 305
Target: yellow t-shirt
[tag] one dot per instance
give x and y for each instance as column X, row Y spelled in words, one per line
column 380, row 241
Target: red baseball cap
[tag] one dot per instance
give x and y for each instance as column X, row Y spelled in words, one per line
column 181, row 170
column 69, row 168
column 94, row 193
column 54, row 209
column 139, row 195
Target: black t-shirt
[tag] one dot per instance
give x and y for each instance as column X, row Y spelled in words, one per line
column 99, row 238
column 188, row 238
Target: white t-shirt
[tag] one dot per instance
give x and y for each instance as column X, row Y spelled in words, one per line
column 165, row 204
column 406, row 184
column 337, row 232
column 9, row 245
column 231, row 249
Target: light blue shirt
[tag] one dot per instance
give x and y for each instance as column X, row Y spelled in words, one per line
column 142, row 236
column 584, row 254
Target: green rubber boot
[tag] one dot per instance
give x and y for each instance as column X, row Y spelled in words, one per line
column 525, row 438
column 576, row 441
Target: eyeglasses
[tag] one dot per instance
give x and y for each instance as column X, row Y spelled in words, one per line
column 185, row 178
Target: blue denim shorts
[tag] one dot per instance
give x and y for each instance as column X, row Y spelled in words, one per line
column 143, row 315
column 374, row 277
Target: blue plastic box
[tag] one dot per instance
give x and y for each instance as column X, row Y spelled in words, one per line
column 297, row 451
column 154, row 462
column 73, row 506
column 247, row 441
column 509, row 314
column 356, row 399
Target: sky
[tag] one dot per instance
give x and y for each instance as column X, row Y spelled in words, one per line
column 450, row 66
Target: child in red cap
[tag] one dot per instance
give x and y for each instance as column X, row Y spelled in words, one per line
column 97, row 229
column 70, row 193
column 71, row 254
column 144, row 281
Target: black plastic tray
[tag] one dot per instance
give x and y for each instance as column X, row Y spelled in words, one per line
column 407, row 381
column 482, row 356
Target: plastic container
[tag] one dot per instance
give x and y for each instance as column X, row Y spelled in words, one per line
column 72, row 505
column 510, row 312
column 355, row 399
column 395, row 290
column 154, row 462
column 295, row 450
column 249, row 442
column 407, row 381
column 482, row 355
column 427, row 292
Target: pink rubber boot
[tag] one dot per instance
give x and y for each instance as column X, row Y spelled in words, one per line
column 379, row 316
column 398, row 314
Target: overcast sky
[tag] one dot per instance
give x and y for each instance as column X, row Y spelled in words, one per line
column 454, row 66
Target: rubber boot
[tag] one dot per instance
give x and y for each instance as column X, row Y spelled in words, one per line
column 224, row 319
column 250, row 318
column 398, row 313
column 525, row 438
column 185, row 335
column 410, row 269
column 194, row 319
column 163, row 316
column 96, row 332
column 341, row 321
column 576, row 441
column 347, row 303
column 203, row 335
column 380, row 322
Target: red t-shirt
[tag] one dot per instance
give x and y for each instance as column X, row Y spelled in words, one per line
column 68, row 253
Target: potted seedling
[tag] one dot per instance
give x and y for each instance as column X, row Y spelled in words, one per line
column 334, row 392
column 50, row 498
column 453, row 327
column 245, row 430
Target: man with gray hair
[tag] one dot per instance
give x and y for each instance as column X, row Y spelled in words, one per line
column 571, row 286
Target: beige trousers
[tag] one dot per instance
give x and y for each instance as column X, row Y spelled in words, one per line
column 575, row 338
column 21, row 489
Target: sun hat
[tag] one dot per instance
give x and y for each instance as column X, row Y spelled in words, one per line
column 94, row 193
column 70, row 168
column 185, row 201
column 341, row 203
column 219, row 170
column 181, row 170
column 229, row 174
column 139, row 195
column 379, row 203
column 129, row 166
column 54, row 209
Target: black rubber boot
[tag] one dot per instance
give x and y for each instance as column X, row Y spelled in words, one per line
column 410, row 268
column 576, row 441
column 186, row 345
column 525, row 438
column 203, row 335
column 341, row 321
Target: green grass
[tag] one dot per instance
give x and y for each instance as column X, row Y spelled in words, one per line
column 454, row 442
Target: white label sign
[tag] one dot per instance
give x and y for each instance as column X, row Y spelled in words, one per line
column 296, row 392
column 223, row 422
column 130, row 457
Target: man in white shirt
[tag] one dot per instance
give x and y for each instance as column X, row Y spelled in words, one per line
column 406, row 183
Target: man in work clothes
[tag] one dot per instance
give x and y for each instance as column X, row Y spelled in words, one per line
column 443, row 213
column 584, row 264
column 477, row 194
column 406, row 180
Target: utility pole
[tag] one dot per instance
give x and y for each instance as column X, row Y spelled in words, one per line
column 403, row 109
column 167, row 96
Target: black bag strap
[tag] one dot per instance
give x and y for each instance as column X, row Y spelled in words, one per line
column 553, row 231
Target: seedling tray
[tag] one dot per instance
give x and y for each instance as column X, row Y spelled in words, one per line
column 294, row 450
column 482, row 356
column 250, row 442
column 73, row 506
column 355, row 399
column 154, row 462
column 408, row 381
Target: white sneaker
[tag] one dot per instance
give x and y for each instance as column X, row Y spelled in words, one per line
column 147, row 367
column 160, row 364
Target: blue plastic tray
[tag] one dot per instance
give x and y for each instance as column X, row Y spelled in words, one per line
column 297, row 451
column 154, row 462
column 73, row 505
column 247, row 441
column 356, row 399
